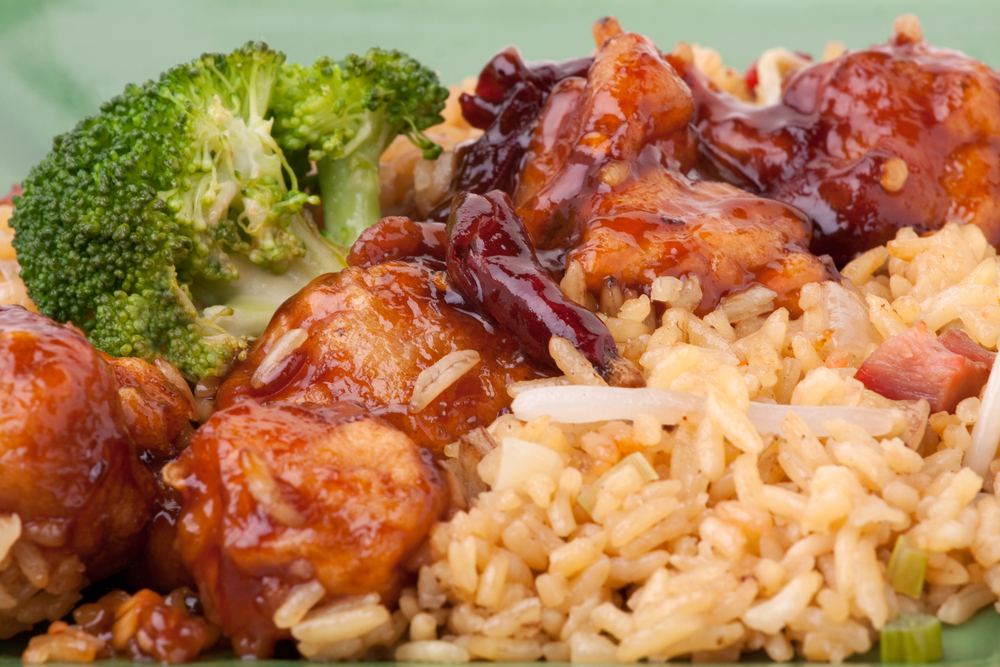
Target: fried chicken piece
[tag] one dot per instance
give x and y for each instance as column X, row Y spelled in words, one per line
column 899, row 135
column 158, row 406
column 370, row 335
column 286, row 495
column 73, row 495
column 604, row 184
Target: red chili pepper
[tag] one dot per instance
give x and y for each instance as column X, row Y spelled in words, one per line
column 491, row 259
column 509, row 96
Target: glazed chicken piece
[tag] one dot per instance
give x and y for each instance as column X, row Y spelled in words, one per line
column 605, row 184
column 378, row 336
column 280, row 497
column 899, row 135
column 158, row 406
column 73, row 495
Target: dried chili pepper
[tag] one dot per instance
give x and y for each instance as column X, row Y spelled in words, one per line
column 491, row 259
column 509, row 96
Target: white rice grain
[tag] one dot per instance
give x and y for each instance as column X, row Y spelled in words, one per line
column 272, row 363
column 773, row 614
column 10, row 532
column 433, row 380
column 327, row 627
column 961, row 606
column 300, row 600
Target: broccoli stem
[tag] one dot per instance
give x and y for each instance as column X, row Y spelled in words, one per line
column 253, row 298
column 350, row 187
column 250, row 315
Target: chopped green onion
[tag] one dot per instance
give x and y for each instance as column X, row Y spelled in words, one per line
column 634, row 461
column 907, row 568
column 911, row 638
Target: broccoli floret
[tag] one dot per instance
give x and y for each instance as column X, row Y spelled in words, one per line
column 345, row 114
column 170, row 224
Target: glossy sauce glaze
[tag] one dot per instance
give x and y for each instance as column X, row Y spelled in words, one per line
column 281, row 495
column 608, row 182
column 165, row 631
column 368, row 335
column 899, row 135
column 145, row 626
column 158, row 409
column 67, row 464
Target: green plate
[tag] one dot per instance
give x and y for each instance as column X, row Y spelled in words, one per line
column 59, row 59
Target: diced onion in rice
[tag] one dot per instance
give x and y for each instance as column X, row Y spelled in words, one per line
column 519, row 459
column 832, row 307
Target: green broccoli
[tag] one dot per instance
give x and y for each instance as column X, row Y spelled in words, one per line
column 345, row 114
column 171, row 224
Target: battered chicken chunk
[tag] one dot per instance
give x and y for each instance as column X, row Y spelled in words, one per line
column 606, row 183
column 73, row 495
column 369, row 335
column 158, row 406
column 286, row 495
column 899, row 135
